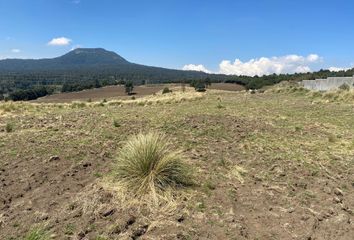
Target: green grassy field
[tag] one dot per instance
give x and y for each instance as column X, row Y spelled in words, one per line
column 273, row 165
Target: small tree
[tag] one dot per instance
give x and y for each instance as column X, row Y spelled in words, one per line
column 207, row 82
column 183, row 85
column 200, row 86
column 129, row 86
column 166, row 90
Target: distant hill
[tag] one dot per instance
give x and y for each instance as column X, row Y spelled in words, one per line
column 86, row 68
column 78, row 58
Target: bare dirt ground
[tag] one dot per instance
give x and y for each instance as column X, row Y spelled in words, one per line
column 100, row 93
column 227, row 87
column 268, row 166
column 119, row 92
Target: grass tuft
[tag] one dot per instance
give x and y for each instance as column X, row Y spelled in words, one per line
column 147, row 164
column 116, row 123
column 9, row 127
column 38, row 234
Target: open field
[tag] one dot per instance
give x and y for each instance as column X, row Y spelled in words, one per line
column 273, row 165
column 119, row 92
column 100, row 93
column 227, row 87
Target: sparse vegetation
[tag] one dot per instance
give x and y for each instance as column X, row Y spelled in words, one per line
column 149, row 164
column 344, row 87
column 259, row 150
column 116, row 123
column 37, row 233
column 9, row 127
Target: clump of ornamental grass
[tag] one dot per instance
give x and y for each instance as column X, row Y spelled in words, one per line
column 148, row 164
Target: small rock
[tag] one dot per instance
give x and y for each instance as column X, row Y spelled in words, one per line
column 87, row 164
column 109, row 212
column 180, row 218
column 291, row 210
column 327, row 190
column 257, row 178
column 139, row 232
column 337, row 200
column 338, row 192
column 54, row 158
column 81, row 234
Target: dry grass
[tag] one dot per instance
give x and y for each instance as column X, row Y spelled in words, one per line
column 238, row 172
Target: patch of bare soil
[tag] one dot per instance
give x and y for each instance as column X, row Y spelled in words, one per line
column 99, row 93
column 53, row 179
column 227, row 87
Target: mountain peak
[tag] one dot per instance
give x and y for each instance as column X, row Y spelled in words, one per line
column 91, row 56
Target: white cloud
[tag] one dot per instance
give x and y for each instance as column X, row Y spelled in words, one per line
column 266, row 66
column 263, row 66
column 15, row 50
column 75, row 47
column 61, row 41
column 338, row 69
column 76, row 1
column 193, row 67
column 313, row 58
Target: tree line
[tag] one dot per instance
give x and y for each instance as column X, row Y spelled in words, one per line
column 29, row 86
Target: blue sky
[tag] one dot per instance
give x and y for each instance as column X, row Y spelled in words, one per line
column 279, row 35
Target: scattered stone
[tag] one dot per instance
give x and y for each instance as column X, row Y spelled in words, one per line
column 81, row 234
column 130, row 221
column 341, row 219
column 109, row 212
column 337, row 200
column 139, row 232
column 86, row 164
column 291, row 210
column 338, row 192
column 54, row 158
column 327, row 190
column 180, row 219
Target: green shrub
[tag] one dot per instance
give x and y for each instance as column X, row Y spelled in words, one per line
column 148, row 164
column 116, row 123
column 9, row 127
column 166, row 90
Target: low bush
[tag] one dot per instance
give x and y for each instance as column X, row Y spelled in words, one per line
column 116, row 123
column 9, row 127
column 166, row 90
column 344, row 87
